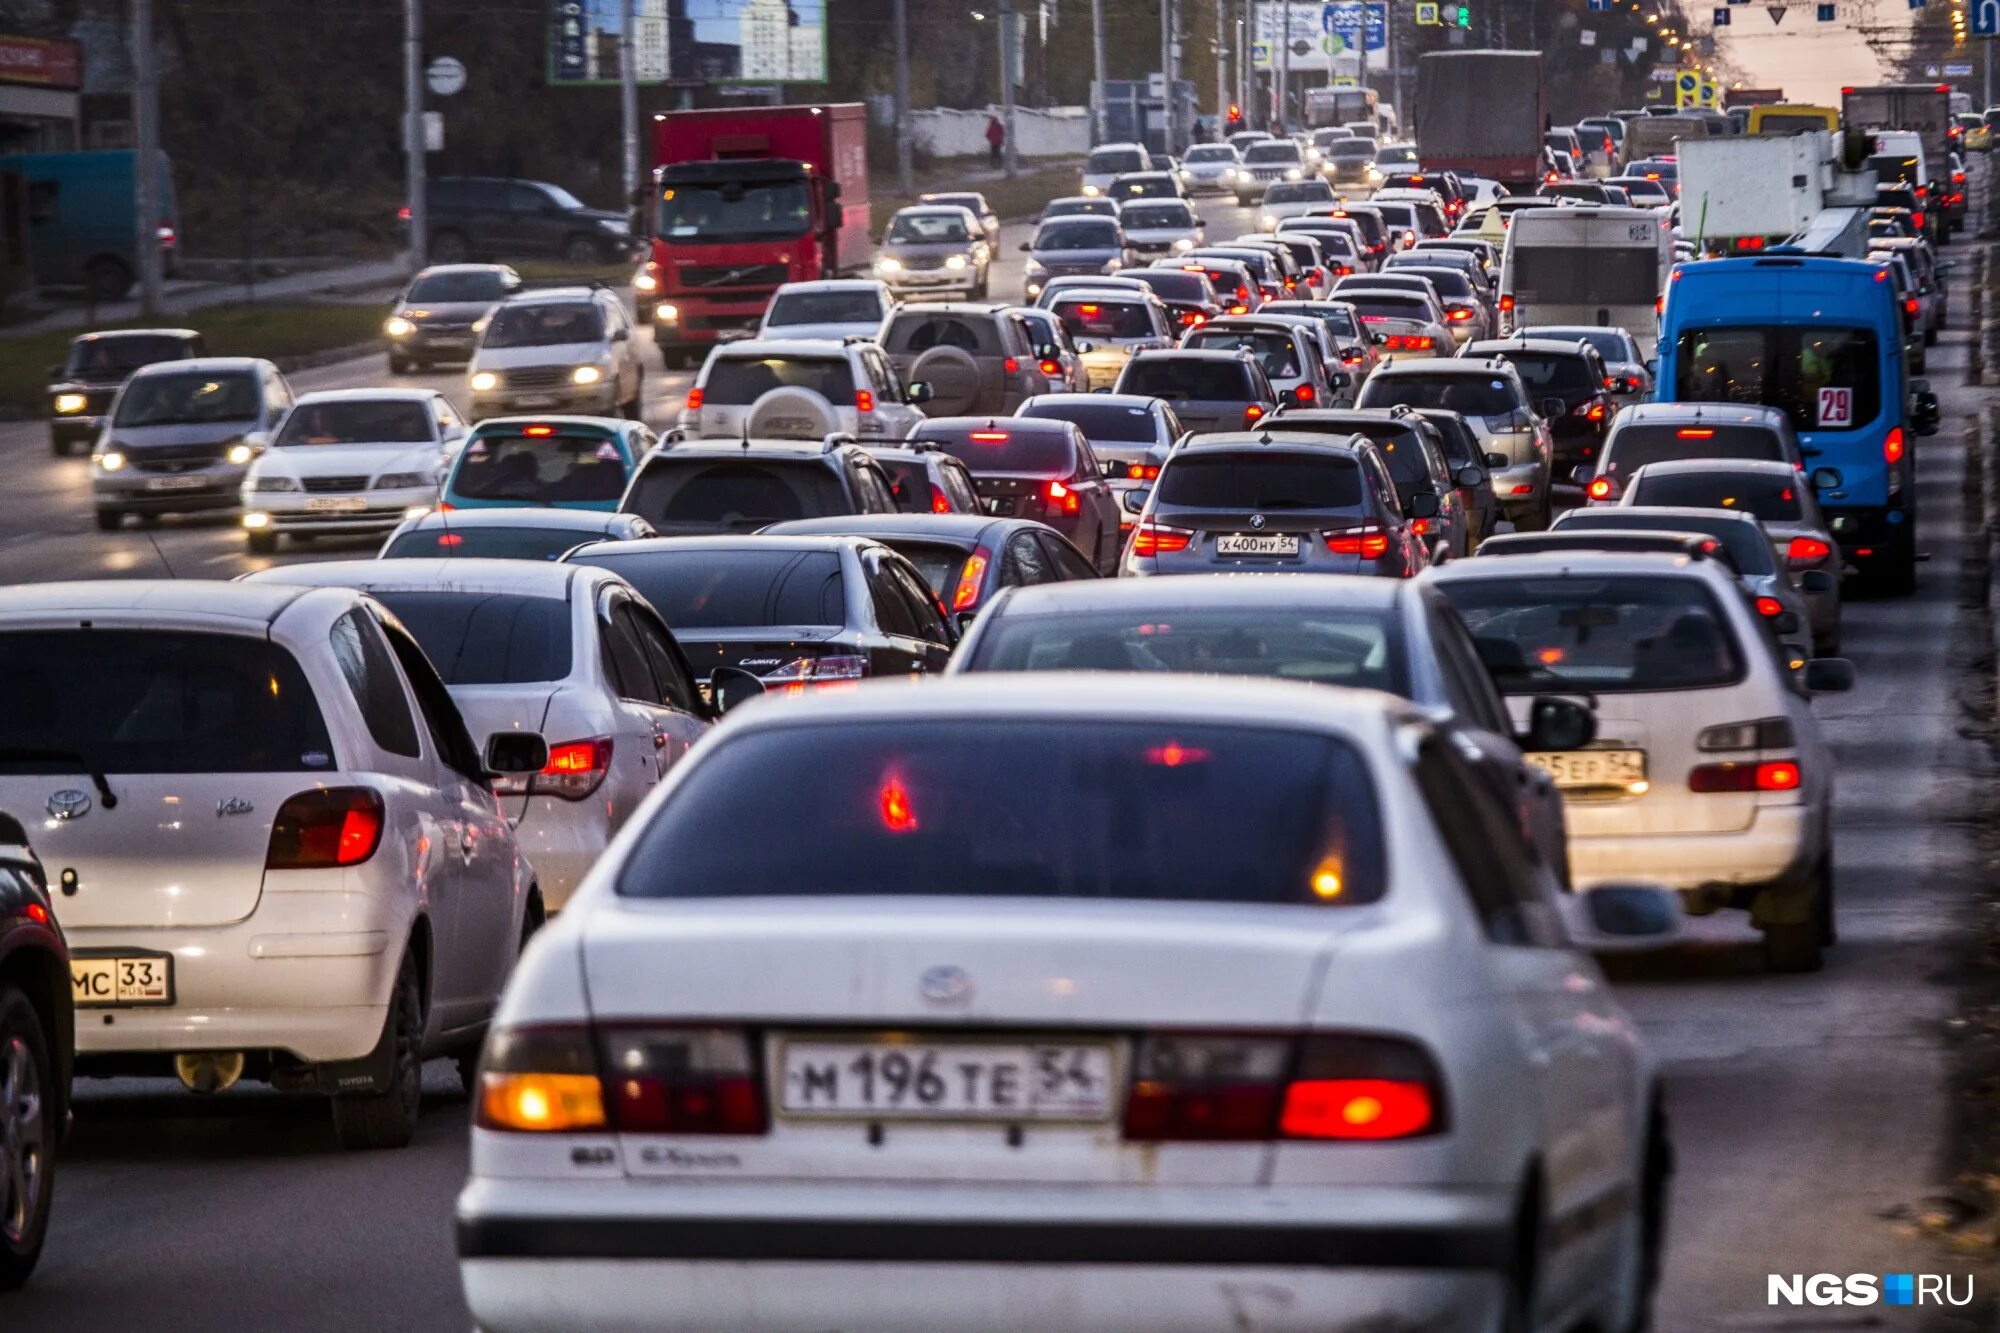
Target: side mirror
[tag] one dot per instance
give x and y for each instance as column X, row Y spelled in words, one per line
column 730, row 687
column 621, row 334
column 1497, row 460
column 1558, row 724
column 1135, row 499
column 1826, row 478
column 1583, row 474
column 1818, row 581
column 1111, row 467
column 1554, row 408
column 510, row 752
column 917, row 391
column 963, row 620
column 1926, row 414
column 1829, row 675
column 1467, row 477
column 1379, row 339
column 1026, row 248
column 1623, row 918
column 1785, row 622
column 1086, row 348
column 1424, row 504
column 1653, row 366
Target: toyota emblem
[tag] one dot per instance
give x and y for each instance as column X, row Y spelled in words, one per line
column 945, row 984
column 69, row 803
column 1256, row 520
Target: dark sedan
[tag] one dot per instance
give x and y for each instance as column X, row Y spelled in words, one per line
column 509, row 534
column 1036, row 468
column 82, row 387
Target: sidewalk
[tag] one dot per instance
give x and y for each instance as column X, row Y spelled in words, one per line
column 181, row 297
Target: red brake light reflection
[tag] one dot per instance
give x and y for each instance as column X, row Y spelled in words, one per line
column 539, row 432
column 990, row 436
column 1769, row 607
column 893, row 801
column 1173, row 755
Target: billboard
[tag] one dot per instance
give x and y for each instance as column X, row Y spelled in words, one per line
column 584, row 41
column 1322, row 37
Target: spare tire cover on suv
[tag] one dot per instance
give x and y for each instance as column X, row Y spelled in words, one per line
column 790, row 412
column 954, row 379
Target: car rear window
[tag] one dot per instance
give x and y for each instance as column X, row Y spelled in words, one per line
column 155, row 701
column 1100, row 422
column 544, row 469
column 918, row 808
column 100, row 357
column 1105, row 319
column 1821, row 376
column 939, row 562
column 1769, row 498
column 1179, row 379
column 720, row 589
column 1553, row 373
column 1376, row 306
column 1327, row 646
column 1261, row 479
column 1275, row 352
column 1046, row 450
column 1174, row 284
column 1562, row 274
column 358, row 421
column 1632, row 447
column 692, row 495
column 1468, row 395
column 523, row 543
column 737, row 381
column 1607, row 635
column 916, row 332
column 834, row 307
column 1749, row 549
column 486, row 638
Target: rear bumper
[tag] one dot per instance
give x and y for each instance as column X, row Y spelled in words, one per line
column 1780, row 842
column 562, row 840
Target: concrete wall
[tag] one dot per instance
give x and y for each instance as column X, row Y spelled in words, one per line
column 1058, row 132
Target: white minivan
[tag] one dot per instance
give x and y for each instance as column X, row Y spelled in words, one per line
column 1592, row 264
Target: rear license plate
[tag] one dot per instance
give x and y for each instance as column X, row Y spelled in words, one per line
column 336, row 505
column 1624, row 769
column 1256, row 543
column 944, row 1080
column 120, row 979
column 193, row 481
column 537, row 400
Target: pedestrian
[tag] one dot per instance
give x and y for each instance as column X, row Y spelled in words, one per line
column 996, row 139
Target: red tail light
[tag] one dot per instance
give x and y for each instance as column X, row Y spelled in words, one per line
column 1355, row 1108
column 540, row 432
column 1142, row 472
column 965, row 595
column 576, row 769
column 1060, row 494
column 450, row 539
column 1506, row 303
column 1011, row 366
column 1892, row 445
column 1770, row 607
column 1420, row 526
column 1151, row 538
column 1051, row 368
column 1250, row 415
column 694, row 400
column 166, row 235
column 1920, row 218
column 1807, row 551
column 1220, row 1088
column 1459, row 313
column 940, row 502
column 990, row 436
column 682, row 1080
column 1694, row 433
column 540, row 1080
column 1343, row 270
column 325, row 829
column 1190, row 318
column 1303, row 394
column 1909, row 305
column 1408, row 342
column 1771, row 775
column 864, row 401
column 1601, row 489
column 1369, row 542
column 1660, row 304
column 403, row 213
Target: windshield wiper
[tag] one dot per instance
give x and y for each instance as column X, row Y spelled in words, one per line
column 70, row 757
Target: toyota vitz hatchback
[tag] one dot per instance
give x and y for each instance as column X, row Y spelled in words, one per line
column 890, row 1049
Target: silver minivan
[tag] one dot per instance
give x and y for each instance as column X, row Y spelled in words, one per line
column 182, row 435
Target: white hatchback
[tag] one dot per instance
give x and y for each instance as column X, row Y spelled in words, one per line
column 796, row 389
column 1708, row 770
column 860, row 1025
column 276, row 850
column 564, row 650
column 349, row 461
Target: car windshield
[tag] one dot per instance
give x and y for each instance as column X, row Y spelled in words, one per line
column 1106, row 319
column 1376, row 305
column 734, row 211
column 1210, row 153
column 696, row 495
column 1749, row 548
column 1181, row 379
column 1632, row 447
column 155, row 701
column 834, row 307
column 930, row 228
column 1611, row 344
column 1610, row 635
column 1274, row 151
column 358, row 421
column 545, row 324
column 189, row 399
column 733, row 588
column 1298, row 192
column 738, row 381
column 1275, row 352
column 1139, row 217
column 1768, row 496
column 486, row 638
column 1111, row 161
column 1113, row 423
column 1351, row 150
column 451, row 288
column 1173, row 284
column 486, row 542
column 1553, row 374
column 1260, row 480
column 1327, row 646
column 548, row 469
column 918, row 808
column 102, row 358
column 1044, row 451
column 1077, row 234
column 1822, row 377
column 1586, row 275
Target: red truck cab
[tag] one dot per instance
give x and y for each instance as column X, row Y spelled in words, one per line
column 745, row 200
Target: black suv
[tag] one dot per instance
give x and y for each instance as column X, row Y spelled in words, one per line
column 492, row 217
column 694, row 488
column 37, row 1052
column 82, row 387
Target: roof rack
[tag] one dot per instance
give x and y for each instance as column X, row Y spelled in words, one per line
column 837, row 439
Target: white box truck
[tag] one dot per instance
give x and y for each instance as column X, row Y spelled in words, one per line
column 1742, row 194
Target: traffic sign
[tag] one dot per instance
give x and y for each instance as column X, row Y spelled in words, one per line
column 1958, row 71
column 1722, row 18
column 1687, row 88
column 1986, row 18
column 1427, row 13
column 445, row 76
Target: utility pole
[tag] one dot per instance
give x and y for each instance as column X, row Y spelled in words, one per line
column 1099, row 130
column 628, row 95
column 905, row 181
column 1007, row 82
column 1167, row 76
column 1389, row 58
column 413, row 130
column 146, row 130
column 1245, row 38
column 1285, row 65
column 1221, row 66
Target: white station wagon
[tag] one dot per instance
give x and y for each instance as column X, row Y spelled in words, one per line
column 273, row 847
column 1044, row 1002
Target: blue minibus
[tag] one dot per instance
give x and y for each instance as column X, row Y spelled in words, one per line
column 83, row 218
column 1820, row 339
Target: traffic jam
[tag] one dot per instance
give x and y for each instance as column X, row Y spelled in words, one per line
column 1081, row 782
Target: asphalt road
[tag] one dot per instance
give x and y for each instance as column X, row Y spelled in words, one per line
column 1808, row 1110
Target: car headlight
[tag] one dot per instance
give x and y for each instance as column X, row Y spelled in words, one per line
column 1183, row 244
column 1292, row 173
column 241, row 454
column 1092, row 190
column 111, row 460
column 666, row 314
column 645, row 282
column 484, row 381
column 71, row 403
column 888, row 264
column 586, row 375
column 275, row 484
column 956, row 263
column 402, row 481
column 398, row 327
column 1374, row 175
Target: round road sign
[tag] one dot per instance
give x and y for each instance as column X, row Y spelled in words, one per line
column 445, row 76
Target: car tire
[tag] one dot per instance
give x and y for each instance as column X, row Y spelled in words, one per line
column 673, row 357
column 261, row 543
column 110, row 520
column 400, row 365
column 58, row 445
column 635, row 407
column 364, row 1121
column 1796, row 946
column 1930, row 337
column 28, row 1136
column 581, row 250
column 449, row 247
column 1826, row 907
column 1517, row 1314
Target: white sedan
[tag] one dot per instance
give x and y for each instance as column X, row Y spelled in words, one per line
column 349, row 461
column 565, row 650
column 276, row 848
column 943, row 1007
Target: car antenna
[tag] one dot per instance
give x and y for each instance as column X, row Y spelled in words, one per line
column 158, row 554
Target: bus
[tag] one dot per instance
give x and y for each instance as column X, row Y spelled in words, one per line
column 1330, row 106
column 1590, row 264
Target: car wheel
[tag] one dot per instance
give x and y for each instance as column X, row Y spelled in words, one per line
column 635, row 407
column 58, row 445
column 580, row 250
column 450, row 247
column 261, row 543
column 1797, row 946
column 27, row 1137
column 673, row 358
column 388, row 1118
column 399, row 365
column 1825, row 907
column 1517, row 1315
column 110, row 520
